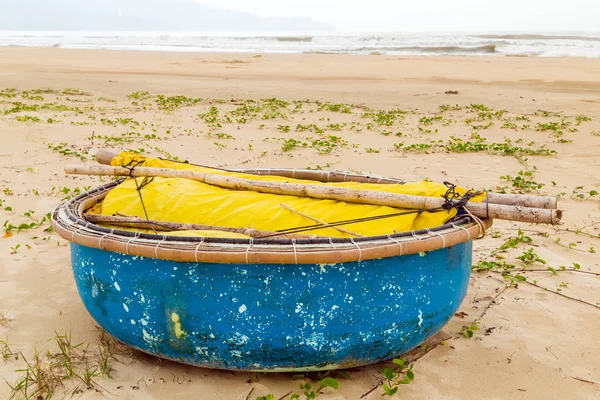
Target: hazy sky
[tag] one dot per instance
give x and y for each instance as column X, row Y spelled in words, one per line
column 432, row 15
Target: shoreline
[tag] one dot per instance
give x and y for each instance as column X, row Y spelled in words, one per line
column 550, row 44
column 496, row 55
column 374, row 53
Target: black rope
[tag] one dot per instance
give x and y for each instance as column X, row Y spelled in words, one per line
column 145, row 182
column 455, row 200
column 308, row 228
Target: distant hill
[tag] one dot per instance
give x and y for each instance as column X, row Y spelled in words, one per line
column 139, row 15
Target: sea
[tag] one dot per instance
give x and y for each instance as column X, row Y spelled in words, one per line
column 579, row 44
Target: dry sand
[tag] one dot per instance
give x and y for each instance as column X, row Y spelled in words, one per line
column 532, row 344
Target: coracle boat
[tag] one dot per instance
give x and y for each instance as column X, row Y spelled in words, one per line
column 242, row 278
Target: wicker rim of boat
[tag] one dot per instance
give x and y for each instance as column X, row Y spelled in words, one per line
column 68, row 221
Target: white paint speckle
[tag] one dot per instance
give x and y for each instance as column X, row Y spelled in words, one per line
column 125, row 307
column 242, row 308
column 151, row 340
column 203, row 351
column 117, row 286
column 420, row 318
column 132, row 322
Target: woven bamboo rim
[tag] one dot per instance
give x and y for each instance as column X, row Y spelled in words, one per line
column 69, row 223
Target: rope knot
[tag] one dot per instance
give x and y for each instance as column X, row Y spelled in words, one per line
column 454, row 199
column 131, row 167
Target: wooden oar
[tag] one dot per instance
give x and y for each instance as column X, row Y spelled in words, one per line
column 551, row 203
column 481, row 210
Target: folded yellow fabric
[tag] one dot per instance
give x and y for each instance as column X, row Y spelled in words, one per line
column 192, row 202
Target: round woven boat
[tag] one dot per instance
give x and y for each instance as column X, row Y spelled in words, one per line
column 269, row 304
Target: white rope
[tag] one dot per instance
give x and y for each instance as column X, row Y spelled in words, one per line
column 137, row 234
column 102, row 238
column 479, row 223
column 359, row 250
column 158, row 245
column 464, row 229
column 295, row 254
column 440, row 235
column 198, row 248
column 127, row 245
column 416, row 236
column 248, row 249
column 397, row 242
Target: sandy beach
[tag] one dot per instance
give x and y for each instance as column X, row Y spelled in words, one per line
column 531, row 343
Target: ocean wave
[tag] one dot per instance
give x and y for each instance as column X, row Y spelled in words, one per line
column 293, row 38
column 485, row 49
column 322, row 52
column 539, row 37
column 306, row 42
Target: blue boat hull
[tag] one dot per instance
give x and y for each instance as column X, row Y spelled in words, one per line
column 269, row 317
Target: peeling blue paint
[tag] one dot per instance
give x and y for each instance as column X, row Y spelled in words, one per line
column 273, row 317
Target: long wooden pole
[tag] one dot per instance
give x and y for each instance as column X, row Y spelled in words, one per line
column 105, row 157
column 164, row 226
column 482, row 210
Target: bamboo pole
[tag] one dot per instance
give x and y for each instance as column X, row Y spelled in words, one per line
column 135, row 222
column 551, row 203
column 545, row 202
column 481, row 210
column 105, row 157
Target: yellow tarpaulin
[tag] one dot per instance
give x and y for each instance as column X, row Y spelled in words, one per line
column 192, row 202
